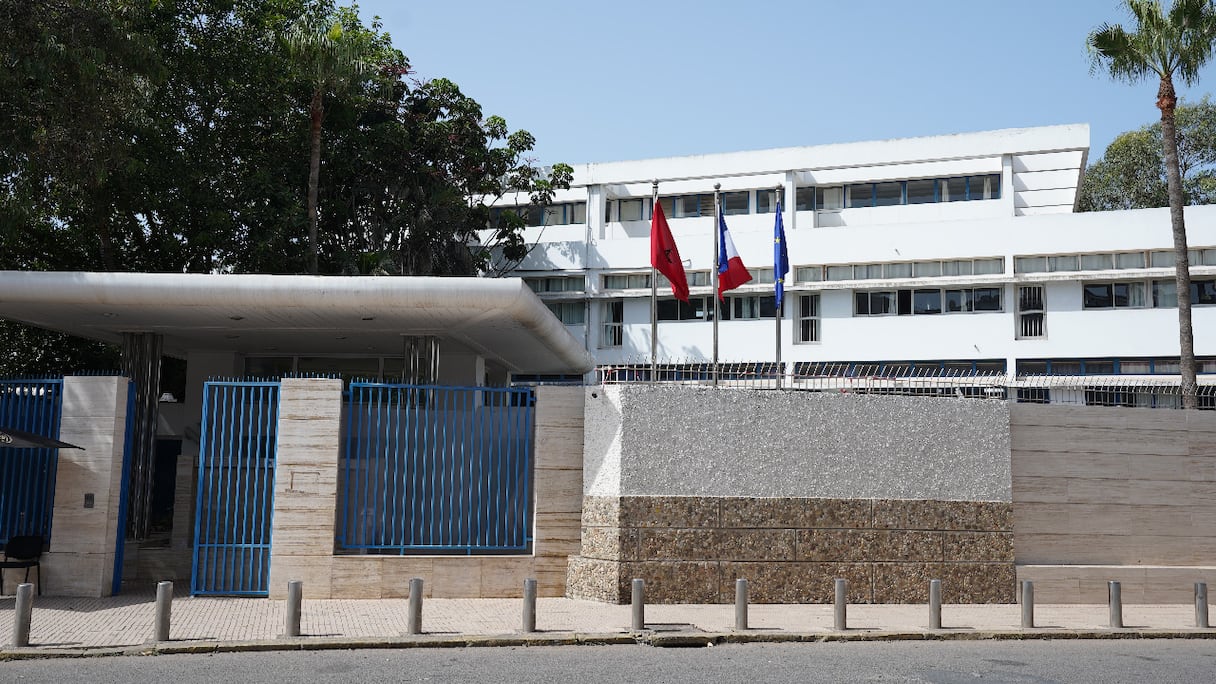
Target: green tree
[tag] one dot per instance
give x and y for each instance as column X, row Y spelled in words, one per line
column 332, row 51
column 1165, row 44
column 1131, row 173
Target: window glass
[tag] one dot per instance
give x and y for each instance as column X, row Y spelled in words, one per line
column 570, row 313
column 1032, row 368
column 1128, row 294
column 761, row 276
column 927, row 302
column 1165, row 294
column 984, row 187
column 903, row 302
column 861, row 195
column 882, row 303
column 579, row 214
column 829, row 198
column 631, row 210
column 1203, row 291
column 903, row 270
column 861, row 303
column 534, row 216
column 1166, row 366
column 1161, row 259
column 766, row 201
column 1098, row 296
column 986, row 298
column 840, row 272
column 1129, row 260
column 921, row 191
column 888, row 194
column 958, row 300
column 1064, row 262
column 697, row 278
column 952, row 189
column 1099, row 367
column 1135, row 367
column 1030, row 264
column 956, row 268
column 924, row 269
column 768, row 306
column 734, row 203
column 688, row 205
column 808, row 274
column 868, row 271
column 989, row 266
column 808, row 305
column 1209, row 257
column 555, row 215
column 1096, row 262
column 808, row 330
column 804, row 199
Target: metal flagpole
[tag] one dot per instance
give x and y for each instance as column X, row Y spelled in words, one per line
column 777, row 278
column 654, row 297
column 717, row 232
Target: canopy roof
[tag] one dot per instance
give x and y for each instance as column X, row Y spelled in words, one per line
column 500, row 319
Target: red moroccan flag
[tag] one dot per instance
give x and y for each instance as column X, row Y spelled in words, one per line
column 664, row 255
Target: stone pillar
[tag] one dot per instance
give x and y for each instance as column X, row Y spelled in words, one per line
column 306, row 485
column 559, row 483
column 88, row 488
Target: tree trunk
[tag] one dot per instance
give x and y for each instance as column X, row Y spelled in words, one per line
column 316, row 112
column 1167, row 101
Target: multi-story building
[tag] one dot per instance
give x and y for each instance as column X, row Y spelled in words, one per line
column 938, row 255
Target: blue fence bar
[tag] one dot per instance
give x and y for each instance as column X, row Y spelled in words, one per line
column 27, row 476
column 436, row 470
column 235, row 488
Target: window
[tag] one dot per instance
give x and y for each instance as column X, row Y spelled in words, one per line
column 612, row 332
column 752, row 307
column 627, row 281
column 922, row 191
column 898, row 270
column 691, row 206
column 829, row 199
column 694, row 278
column 951, row 189
column 630, row 209
column 1113, row 295
column 1031, row 314
column 1165, row 293
column 984, row 187
column 860, row 195
column 924, row 301
column 570, row 313
column 923, row 269
column 1030, row 264
column 766, row 201
column 557, row 284
column 807, row 329
column 697, row 309
column 1097, row 262
column 840, row 273
column 761, row 276
column 808, row 274
column 804, row 199
column 888, row 194
column 734, row 203
column 1067, row 262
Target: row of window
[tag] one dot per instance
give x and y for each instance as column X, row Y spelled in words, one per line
column 1136, row 294
column 926, row 301
column 747, row 307
column 1109, row 261
column 551, row 284
column 1109, row 366
column 641, row 281
column 816, row 198
column 900, row 269
column 561, row 214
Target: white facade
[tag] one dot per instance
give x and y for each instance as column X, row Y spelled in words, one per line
column 873, row 217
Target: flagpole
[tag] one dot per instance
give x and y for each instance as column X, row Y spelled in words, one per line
column 654, row 296
column 776, row 276
column 717, row 232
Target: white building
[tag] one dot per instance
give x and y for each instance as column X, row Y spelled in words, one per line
column 955, row 253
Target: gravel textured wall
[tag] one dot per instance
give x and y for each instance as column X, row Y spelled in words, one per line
column 643, row 440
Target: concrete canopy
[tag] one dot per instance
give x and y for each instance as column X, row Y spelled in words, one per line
column 500, row 319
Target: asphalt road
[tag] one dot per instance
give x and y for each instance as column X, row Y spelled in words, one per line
column 1104, row 662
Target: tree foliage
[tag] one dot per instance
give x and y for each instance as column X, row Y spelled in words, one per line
column 170, row 135
column 1131, row 173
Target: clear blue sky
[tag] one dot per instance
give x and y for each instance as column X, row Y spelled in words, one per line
column 630, row 80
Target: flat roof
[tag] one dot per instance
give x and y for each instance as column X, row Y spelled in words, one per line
column 499, row 318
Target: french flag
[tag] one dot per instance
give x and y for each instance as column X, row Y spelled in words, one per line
column 731, row 271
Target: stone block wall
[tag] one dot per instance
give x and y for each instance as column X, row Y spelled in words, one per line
column 791, row 549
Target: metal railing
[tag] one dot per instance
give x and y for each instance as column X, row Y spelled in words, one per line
column 27, row 476
column 1132, row 391
column 436, row 470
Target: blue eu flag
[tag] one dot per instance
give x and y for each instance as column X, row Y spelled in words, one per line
column 781, row 257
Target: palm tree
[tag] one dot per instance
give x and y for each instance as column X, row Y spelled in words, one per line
column 332, row 59
column 1164, row 44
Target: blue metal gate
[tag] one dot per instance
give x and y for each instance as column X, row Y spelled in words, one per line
column 235, row 488
column 436, row 470
column 27, row 476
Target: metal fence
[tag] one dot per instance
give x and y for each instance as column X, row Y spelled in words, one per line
column 27, row 476
column 237, row 450
column 436, row 470
column 937, row 380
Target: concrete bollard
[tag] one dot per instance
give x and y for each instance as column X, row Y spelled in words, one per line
column 935, row 604
column 164, row 611
column 295, row 600
column 740, row 604
column 23, row 615
column 529, row 605
column 1201, row 605
column 1027, row 604
column 1115, row 596
column 413, row 623
column 639, row 604
column 840, row 610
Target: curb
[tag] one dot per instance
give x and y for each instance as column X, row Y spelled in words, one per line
column 655, row 639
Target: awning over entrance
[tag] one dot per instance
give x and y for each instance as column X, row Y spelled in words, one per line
column 500, row 319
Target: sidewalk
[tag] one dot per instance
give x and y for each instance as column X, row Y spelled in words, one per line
column 68, row 625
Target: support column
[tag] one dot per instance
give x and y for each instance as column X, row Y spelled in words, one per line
column 141, row 354
column 306, row 485
column 88, row 488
